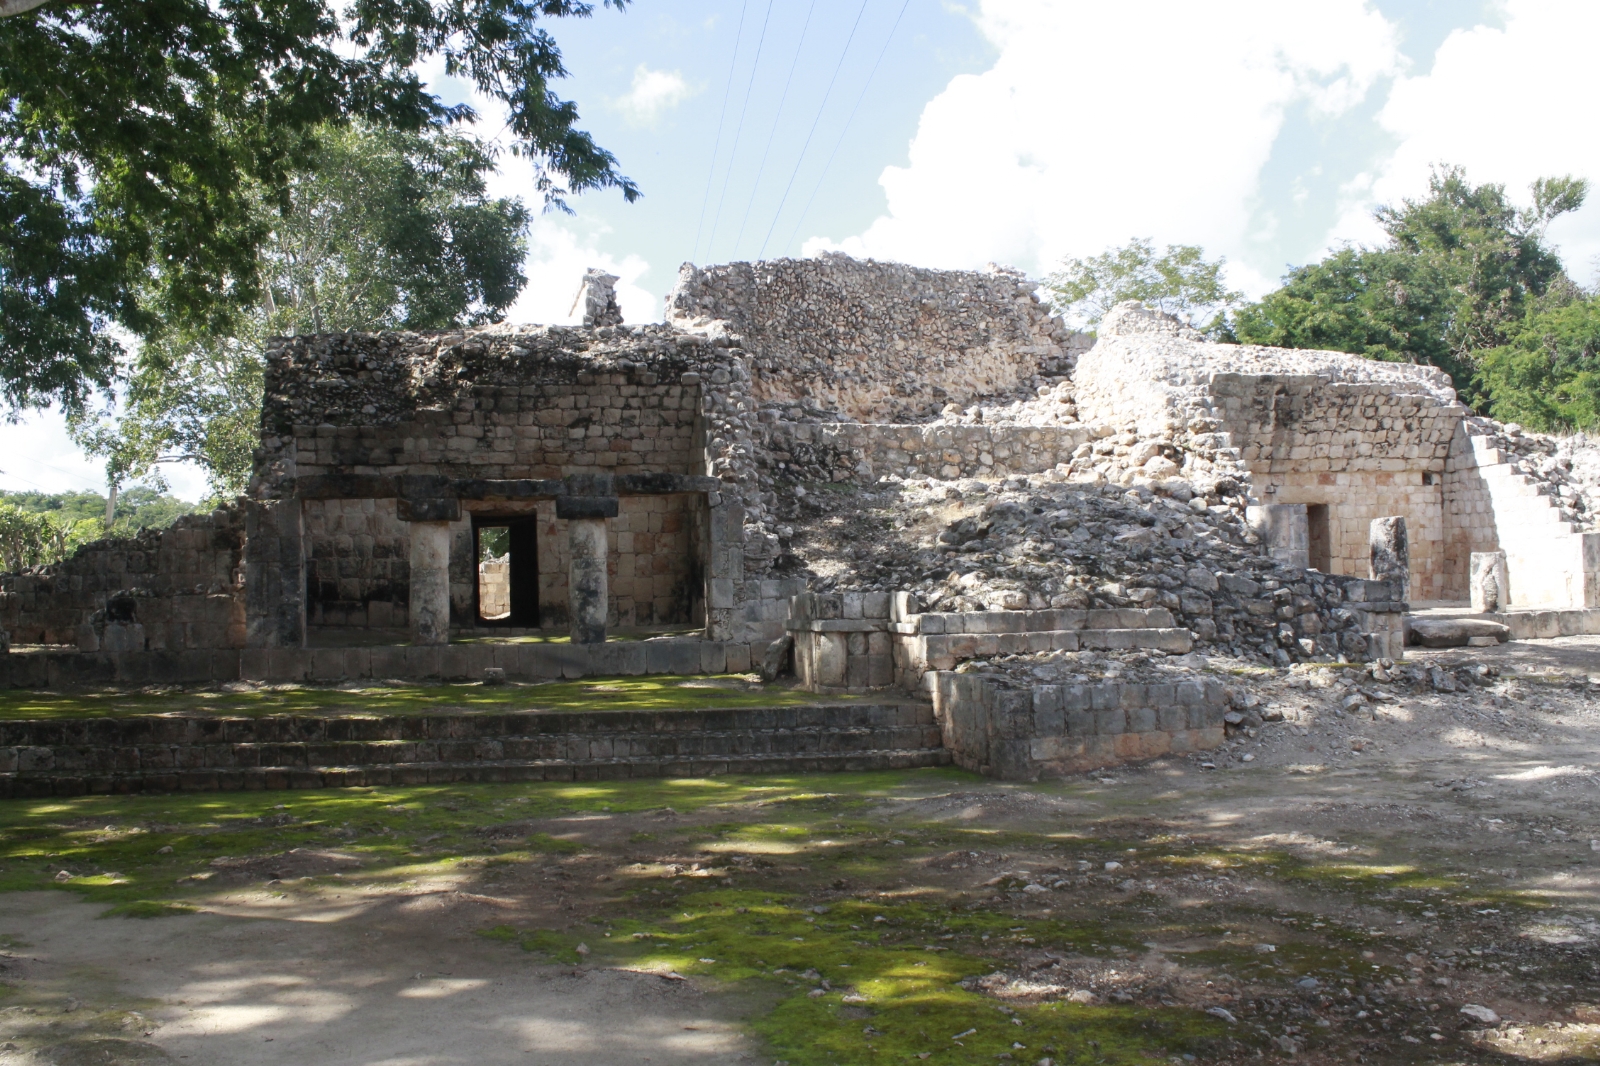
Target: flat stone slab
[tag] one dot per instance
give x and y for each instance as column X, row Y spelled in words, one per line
column 1455, row 632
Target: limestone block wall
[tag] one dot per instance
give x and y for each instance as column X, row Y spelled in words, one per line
column 357, row 563
column 1469, row 516
column 1023, row 734
column 845, row 451
column 653, row 572
column 596, row 423
column 1355, row 498
column 179, row 585
column 494, row 589
column 873, row 339
column 1364, row 439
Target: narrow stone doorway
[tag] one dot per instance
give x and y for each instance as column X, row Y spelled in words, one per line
column 507, row 589
column 1320, row 537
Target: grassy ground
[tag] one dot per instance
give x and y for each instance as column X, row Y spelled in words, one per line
column 658, row 692
column 883, row 917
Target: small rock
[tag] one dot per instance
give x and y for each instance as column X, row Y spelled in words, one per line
column 582, row 949
column 1308, row 983
column 63, row 875
column 1081, row 995
column 1224, row 1013
column 1034, row 889
column 1480, row 1013
column 1113, row 865
column 166, row 849
column 1266, row 949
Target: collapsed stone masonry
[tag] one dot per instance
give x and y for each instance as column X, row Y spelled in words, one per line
column 881, row 473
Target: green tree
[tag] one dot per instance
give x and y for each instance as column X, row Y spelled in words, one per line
column 1462, row 269
column 1179, row 281
column 29, row 538
column 1548, row 376
column 139, row 138
column 384, row 230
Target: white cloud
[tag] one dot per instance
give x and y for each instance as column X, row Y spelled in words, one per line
column 556, row 261
column 653, row 92
column 1101, row 122
column 1509, row 104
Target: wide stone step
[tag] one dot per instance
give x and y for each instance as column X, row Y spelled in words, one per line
column 33, row 785
column 110, row 754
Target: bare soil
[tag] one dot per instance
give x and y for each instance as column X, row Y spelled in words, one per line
column 1336, row 886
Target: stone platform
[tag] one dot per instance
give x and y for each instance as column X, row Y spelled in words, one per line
column 1050, row 730
column 47, row 666
column 69, row 757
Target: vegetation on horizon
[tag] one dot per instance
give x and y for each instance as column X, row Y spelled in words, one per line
column 1467, row 282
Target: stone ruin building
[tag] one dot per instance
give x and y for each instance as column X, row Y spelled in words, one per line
column 877, row 476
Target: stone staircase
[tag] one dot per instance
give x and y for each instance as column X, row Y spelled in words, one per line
column 206, row 753
column 1549, row 561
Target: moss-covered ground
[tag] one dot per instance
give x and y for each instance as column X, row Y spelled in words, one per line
column 882, row 917
column 656, row 692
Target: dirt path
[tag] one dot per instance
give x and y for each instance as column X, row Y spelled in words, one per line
column 1335, row 886
column 392, row 983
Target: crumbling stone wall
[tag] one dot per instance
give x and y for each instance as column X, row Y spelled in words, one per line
column 481, row 404
column 356, row 425
column 1365, row 438
column 880, row 342
column 167, row 589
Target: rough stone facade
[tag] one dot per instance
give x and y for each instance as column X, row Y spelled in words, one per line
column 168, row 589
column 879, row 342
column 886, row 467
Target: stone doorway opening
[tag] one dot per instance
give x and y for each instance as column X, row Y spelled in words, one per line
column 1320, row 537
column 506, row 550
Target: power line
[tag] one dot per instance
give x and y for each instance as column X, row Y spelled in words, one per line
column 733, row 151
column 820, row 108
column 773, row 131
column 716, row 146
column 844, row 129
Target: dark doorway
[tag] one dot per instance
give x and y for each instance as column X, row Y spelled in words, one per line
column 1320, row 537
column 507, row 554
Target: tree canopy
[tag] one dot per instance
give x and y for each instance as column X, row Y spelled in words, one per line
column 141, row 139
column 1180, row 282
column 384, row 229
column 1461, row 271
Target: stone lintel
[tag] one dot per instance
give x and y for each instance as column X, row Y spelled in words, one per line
column 379, row 486
column 571, row 507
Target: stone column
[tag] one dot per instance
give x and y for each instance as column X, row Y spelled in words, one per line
column 586, row 582
column 588, row 595
column 430, row 582
column 1491, row 591
column 1391, row 553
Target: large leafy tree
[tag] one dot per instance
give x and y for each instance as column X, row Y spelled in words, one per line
column 1461, row 270
column 384, row 230
column 139, row 137
column 1179, row 281
column 1548, row 376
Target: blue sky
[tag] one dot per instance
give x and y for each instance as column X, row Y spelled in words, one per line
column 1022, row 131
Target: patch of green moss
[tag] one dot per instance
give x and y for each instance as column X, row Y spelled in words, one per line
column 557, row 947
column 113, row 845
column 866, row 980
